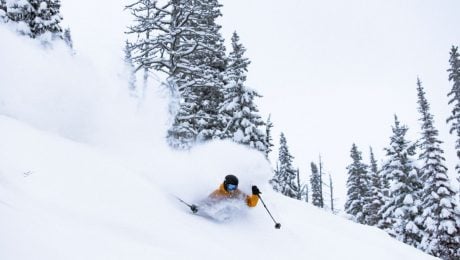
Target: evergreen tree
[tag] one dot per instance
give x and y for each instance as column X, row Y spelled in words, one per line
column 209, row 59
column 403, row 204
column 439, row 216
column 454, row 94
column 3, row 11
column 284, row 180
column 35, row 18
column 268, row 136
column 357, row 187
column 376, row 197
column 21, row 14
column 181, row 38
column 238, row 113
column 200, row 83
column 47, row 18
column 237, row 63
column 315, row 183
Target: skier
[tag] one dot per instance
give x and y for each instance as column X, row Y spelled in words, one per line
column 229, row 190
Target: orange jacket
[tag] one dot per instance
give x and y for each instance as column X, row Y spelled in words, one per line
column 221, row 193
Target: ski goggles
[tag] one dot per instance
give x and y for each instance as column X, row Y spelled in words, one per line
column 231, row 187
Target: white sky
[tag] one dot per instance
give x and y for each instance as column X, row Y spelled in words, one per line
column 335, row 72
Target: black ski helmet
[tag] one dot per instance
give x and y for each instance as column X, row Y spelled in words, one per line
column 230, row 179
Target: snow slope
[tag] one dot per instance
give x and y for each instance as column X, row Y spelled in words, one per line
column 61, row 199
column 85, row 174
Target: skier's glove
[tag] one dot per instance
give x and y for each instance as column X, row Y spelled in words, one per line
column 255, row 190
column 194, row 208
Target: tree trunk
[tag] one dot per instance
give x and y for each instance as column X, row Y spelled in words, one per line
column 332, row 193
column 321, row 202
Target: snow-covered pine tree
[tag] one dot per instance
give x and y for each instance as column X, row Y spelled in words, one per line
column 315, row 183
column 182, row 39
column 440, row 215
column 268, row 135
column 209, row 57
column 376, row 197
column 238, row 113
column 2, row 11
column 454, row 95
column 284, row 180
column 36, row 18
column 357, row 187
column 186, row 80
column 403, row 205
column 130, row 67
column 47, row 20
column 21, row 14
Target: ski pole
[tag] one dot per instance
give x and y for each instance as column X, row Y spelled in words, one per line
column 191, row 206
column 277, row 225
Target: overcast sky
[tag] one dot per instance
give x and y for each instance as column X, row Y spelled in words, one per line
column 335, row 72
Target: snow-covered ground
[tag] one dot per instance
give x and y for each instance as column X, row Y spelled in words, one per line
column 85, row 172
column 60, row 199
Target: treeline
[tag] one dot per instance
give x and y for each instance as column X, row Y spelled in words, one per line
column 410, row 195
column 313, row 188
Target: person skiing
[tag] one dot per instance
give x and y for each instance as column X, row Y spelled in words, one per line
column 229, row 190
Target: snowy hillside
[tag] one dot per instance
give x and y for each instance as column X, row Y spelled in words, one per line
column 65, row 200
column 85, row 174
